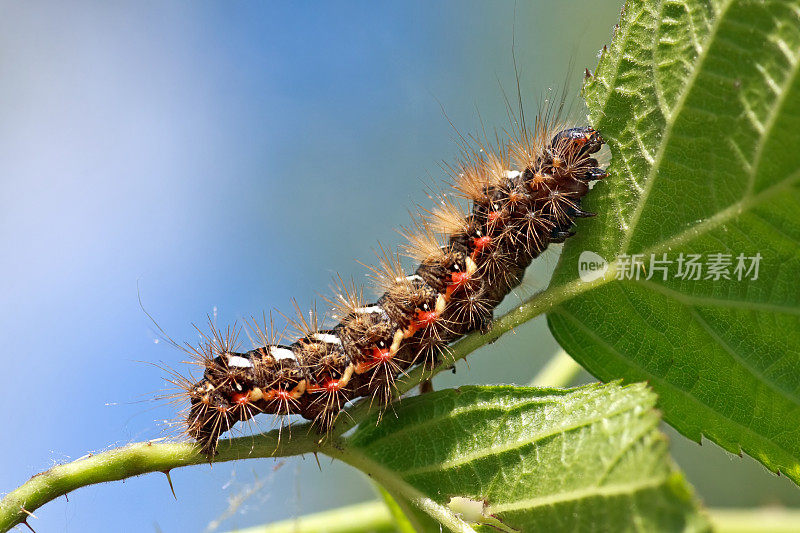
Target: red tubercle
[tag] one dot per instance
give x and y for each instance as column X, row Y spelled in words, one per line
column 494, row 216
column 425, row 318
column 479, row 244
column 332, row 385
column 278, row 393
column 284, row 395
column 329, row 385
column 241, row 398
column 458, row 279
column 380, row 355
column 377, row 356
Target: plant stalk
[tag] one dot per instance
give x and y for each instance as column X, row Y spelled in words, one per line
column 145, row 457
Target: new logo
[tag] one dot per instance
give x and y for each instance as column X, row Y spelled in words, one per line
column 591, row 266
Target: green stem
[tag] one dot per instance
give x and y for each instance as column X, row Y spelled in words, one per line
column 360, row 518
column 374, row 516
column 142, row 458
column 755, row 520
column 136, row 459
column 397, row 486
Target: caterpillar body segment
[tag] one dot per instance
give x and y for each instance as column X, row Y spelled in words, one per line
column 514, row 216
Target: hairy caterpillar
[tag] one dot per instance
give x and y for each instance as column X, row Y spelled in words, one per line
column 467, row 264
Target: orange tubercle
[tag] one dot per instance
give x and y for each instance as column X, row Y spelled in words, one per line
column 241, row 399
column 278, row 393
column 284, row 394
column 481, row 242
column 426, row 318
column 380, row 355
column 459, row 278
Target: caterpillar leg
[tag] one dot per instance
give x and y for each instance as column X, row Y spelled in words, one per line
column 595, row 173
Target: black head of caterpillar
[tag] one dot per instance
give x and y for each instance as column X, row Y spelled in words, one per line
column 515, row 215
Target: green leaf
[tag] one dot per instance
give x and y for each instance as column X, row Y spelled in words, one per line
column 700, row 104
column 589, row 458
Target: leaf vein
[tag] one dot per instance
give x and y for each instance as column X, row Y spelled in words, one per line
column 756, row 373
column 489, row 451
column 755, row 436
column 605, row 492
column 687, row 89
column 709, row 301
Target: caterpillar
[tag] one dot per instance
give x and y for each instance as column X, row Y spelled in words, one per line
column 468, row 262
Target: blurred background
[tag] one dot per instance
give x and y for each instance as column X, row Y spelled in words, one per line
column 226, row 158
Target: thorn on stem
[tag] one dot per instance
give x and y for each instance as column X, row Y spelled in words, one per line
column 317, row 459
column 169, row 480
column 25, row 520
column 27, row 512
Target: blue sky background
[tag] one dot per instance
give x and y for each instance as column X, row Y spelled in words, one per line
column 228, row 157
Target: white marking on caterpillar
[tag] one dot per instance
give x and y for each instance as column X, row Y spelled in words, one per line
column 370, row 309
column 347, row 376
column 299, row 390
column 399, row 335
column 327, row 338
column 238, row 361
column 282, row 353
column 255, row 394
column 413, row 277
column 471, row 266
column 441, row 303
